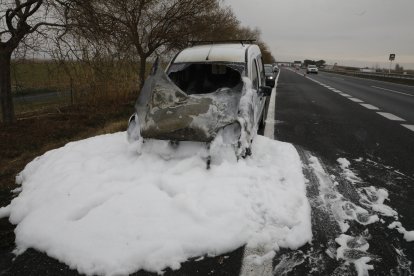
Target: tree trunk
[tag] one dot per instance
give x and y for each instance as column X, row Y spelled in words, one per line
column 142, row 71
column 5, row 88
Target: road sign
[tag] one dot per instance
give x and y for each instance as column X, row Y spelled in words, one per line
column 392, row 57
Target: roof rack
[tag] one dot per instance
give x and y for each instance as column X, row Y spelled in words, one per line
column 241, row 41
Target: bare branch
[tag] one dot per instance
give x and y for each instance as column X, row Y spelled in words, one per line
column 36, row 27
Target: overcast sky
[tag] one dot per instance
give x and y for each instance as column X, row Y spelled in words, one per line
column 350, row 32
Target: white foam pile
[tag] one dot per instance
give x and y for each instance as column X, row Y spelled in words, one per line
column 348, row 174
column 343, row 210
column 408, row 235
column 354, row 250
column 374, row 198
column 102, row 208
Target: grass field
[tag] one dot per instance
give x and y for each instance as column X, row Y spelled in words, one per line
column 72, row 82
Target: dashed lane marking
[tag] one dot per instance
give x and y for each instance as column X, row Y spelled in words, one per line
column 393, row 91
column 387, row 115
column 370, row 106
column 410, row 127
column 390, row 116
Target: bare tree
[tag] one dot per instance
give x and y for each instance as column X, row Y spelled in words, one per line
column 142, row 27
column 18, row 20
column 255, row 34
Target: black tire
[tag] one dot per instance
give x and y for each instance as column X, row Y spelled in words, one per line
column 262, row 121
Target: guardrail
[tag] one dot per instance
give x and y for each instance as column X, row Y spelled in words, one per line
column 398, row 78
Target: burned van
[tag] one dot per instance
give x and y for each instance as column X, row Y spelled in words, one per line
column 206, row 90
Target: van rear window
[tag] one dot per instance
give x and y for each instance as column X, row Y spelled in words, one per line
column 202, row 78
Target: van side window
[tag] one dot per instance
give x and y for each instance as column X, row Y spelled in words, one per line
column 255, row 76
column 261, row 70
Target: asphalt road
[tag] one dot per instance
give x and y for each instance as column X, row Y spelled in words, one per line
column 313, row 112
column 331, row 124
column 388, row 97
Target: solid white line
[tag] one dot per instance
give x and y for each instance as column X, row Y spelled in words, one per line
column 394, row 91
column 356, row 100
column 249, row 268
column 269, row 130
column 370, row 106
column 390, row 116
column 410, row 127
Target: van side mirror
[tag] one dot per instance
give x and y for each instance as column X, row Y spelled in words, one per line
column 265, row 90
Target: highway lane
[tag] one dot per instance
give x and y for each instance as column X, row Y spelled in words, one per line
column 315, row 117
column 393, row 98
column 337, row 121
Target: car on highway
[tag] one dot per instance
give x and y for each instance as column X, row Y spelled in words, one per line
column 206, row 91
column 312, row 69
column 275, row 68
column 270, row 75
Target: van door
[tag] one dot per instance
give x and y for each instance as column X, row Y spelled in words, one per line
column 258, row 98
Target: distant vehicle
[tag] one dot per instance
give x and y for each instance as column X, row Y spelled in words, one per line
column 206, row 91
column 276, row 68
column 312, row 69
column 270, row 75
column 297, row 63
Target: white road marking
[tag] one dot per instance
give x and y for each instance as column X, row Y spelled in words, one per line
column 410, row 127
column 269, row 130
column 249, row 268
column 370, row 106
column 345, row 95
column 393, row 91
column 356, row 100
column 390, row 116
